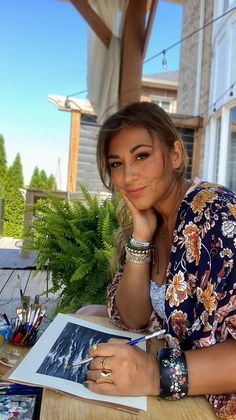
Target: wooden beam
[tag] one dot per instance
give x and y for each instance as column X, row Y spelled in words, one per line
column 93, row 20
column 132, row 53
column 74, row 151
column 186, row 121
column 149, row 24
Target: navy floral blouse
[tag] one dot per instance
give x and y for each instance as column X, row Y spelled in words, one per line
column 200, row 301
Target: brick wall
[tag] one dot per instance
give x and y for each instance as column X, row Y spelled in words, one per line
column 189, row 59
column 188, row 65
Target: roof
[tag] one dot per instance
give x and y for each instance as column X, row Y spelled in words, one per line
column 169, row 78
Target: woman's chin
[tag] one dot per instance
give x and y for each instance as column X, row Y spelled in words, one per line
column 141, row 205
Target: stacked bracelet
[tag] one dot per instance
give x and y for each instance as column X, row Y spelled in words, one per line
column 138, row 243
column 137, row 253
column 173, row 374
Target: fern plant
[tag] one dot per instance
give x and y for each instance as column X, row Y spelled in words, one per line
column 75, row 241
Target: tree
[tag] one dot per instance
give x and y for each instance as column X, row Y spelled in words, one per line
column 14, row 178
column 3, row 161
column 52, row 185
column 41, row 181
column 35, row 179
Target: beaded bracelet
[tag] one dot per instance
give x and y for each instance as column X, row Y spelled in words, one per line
column 173, row 374
column 138, row 256
column 138, row 243
column 130, row 245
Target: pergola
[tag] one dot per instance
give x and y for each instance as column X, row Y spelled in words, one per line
column 136, row 34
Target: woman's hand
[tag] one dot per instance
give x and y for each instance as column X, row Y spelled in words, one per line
column 133, row 372
column 144, row 221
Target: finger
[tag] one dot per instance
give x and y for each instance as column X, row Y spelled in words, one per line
column 102, row 363
column 95, row 375
column 117, row 341
column 104, row 349
column 105, row 388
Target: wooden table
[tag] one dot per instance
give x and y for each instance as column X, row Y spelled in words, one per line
column 67, row 407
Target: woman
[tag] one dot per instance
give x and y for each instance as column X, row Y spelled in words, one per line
column 177, row 260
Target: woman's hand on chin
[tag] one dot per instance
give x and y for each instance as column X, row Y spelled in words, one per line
column 144, row 221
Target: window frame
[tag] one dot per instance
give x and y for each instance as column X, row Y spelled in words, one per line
column 159, row 99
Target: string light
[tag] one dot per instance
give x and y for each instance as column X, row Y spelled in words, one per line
column 164, row 60
column 164, row 63
column 78, row 93
column 67, row 103
column 230, row 90
column 188, row 36
column 163, row 52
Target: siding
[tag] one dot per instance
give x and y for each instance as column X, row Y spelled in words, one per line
column 87, row 173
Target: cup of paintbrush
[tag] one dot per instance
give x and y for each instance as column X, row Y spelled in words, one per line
column 29, row 322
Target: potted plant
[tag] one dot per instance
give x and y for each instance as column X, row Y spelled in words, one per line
column 75, row 241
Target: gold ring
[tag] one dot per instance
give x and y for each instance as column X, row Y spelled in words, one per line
column 94, row 348
column 102, row 363
column 105, row 374
column 103, row 381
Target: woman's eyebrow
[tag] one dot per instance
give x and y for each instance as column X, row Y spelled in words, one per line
column 113, row 157
column 131, row 150
column 140, row 145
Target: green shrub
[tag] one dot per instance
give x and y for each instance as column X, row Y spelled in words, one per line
column 75, row 240
column 2, row 192
column 14, row 214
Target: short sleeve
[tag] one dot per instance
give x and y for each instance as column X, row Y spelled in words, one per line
column 113, row 313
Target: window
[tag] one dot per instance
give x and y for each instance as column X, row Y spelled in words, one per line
column 163, row 102
column 231, row 156
column 217, row 150
column 228, row 4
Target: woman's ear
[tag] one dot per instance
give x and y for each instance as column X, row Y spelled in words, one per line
column 177, row 154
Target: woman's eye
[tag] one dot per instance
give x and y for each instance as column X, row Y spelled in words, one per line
column 142, row 156
column 115, row 164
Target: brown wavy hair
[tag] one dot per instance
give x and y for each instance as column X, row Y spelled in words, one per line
column 158, row 124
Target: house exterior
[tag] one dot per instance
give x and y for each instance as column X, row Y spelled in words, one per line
column 82, row 167
column 161, row 89
column 220, row 140
column 207, row 84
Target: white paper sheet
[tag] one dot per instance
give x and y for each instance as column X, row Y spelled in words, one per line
column 57, row 347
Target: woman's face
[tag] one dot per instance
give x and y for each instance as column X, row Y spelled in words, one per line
column 140, row 168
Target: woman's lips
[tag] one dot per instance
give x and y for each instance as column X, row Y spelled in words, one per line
column 135, row 192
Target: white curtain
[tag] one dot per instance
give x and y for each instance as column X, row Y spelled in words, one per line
column 104, row 63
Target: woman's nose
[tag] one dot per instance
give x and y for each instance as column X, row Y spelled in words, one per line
column 130, row 174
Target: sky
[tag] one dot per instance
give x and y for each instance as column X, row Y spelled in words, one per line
column 43, row 50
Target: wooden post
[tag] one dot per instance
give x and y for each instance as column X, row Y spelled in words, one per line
column 31, row 198
column 74, row 151
column 148, row 29
column 132, row 52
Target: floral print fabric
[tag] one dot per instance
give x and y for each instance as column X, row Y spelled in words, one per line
column 200, row 301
